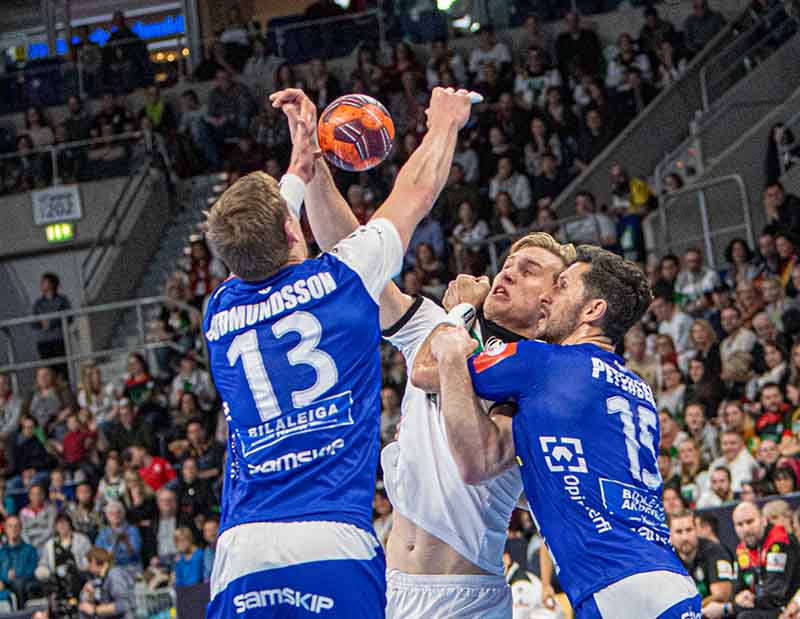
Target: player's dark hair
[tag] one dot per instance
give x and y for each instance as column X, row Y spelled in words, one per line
column 710, row 519
column 621, row 284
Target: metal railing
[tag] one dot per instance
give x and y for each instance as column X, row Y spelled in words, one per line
column 75, row 328
column 68, row 162
column 736, row 61
column 704, row 215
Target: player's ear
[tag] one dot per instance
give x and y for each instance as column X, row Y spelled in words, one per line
column 595, row 310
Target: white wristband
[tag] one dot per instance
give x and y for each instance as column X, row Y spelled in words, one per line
column 293, row 190
column 462, row 315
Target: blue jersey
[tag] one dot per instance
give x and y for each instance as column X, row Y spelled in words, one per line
column 586, row 434
column 296, row 361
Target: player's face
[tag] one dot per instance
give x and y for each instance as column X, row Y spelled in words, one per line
column 748, row 524
column 562, row 306
column 683, row 536
column 513, row 301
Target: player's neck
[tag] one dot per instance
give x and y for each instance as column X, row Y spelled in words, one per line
column 588, row 334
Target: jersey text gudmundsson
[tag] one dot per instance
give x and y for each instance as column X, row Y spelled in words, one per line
column 287, row 298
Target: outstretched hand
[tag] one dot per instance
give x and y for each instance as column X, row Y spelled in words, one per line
column 301, row 114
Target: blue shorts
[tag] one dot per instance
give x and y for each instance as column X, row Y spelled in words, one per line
column 649, row 595
column 292, row 586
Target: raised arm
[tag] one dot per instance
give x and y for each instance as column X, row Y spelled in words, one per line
column 482, row 445
column 423, row 176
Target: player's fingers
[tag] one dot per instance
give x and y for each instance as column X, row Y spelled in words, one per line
column 288, row 95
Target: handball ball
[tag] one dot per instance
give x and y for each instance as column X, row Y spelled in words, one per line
column 355, row 133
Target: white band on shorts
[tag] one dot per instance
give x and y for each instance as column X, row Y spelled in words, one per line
column 293, row 190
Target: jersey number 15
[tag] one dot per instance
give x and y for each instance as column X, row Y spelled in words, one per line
column 647, row 422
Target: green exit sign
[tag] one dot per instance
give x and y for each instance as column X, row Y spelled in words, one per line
column 58, row 233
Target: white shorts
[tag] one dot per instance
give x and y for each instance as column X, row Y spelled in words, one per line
column 446, row 597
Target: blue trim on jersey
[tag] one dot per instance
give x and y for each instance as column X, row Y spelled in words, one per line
column 317, row 461
column 685, row 609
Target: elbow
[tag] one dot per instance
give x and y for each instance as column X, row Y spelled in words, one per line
column 471, row 474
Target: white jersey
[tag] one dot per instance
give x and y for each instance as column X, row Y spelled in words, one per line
column 421, row 477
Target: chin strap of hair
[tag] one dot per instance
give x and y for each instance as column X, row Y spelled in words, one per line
column 293, row 191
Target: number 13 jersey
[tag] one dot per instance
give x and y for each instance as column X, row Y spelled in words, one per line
column 296, row 360
column 585, row 434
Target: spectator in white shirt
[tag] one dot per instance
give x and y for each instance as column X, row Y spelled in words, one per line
column 489, row 51
column 533, row 80
column 671, row 321
column 720, row 490
column 592, row 228
column 694, row 281
column 736, row 459
column 443, row 57
column 513, row 183
column 467, row 236
column 627, row 56
column 191, row 379
column 739, row 339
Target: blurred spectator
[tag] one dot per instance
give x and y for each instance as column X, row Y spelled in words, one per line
column 673, row 501
column 235, row 38
column 782, row 210
column 107, row 156
column 111, row 592
column 382, row 522
column 38, row 518
column 65, row 544
column 189, row 562
column 429, row 233
column 157, row 110
column 767, row 457
column 467, row 237
column 673, row 391
column 112, row 484
column 167, row 520
column 442, row 59
column 720, row 491
column 740, row 258
column 638, row 360
column 50, row 401
column 653, row 33
column 707, row 562
column 209, row 454
column 578, row 48
column 703, row 340
column 129, row 429
column 548, row 183
column 155, row 471
column 29, row 448
column 125, row 61
column 214, row 60
column 776, row 302
column 113, row 113
column 704, row 434
column 533, row 35
column 542, row 141
column 701, row 26
column 203, row 269
column 10, row 413
column 627, row 56
column 27, row 171
column 488, row 51
column 50, row 336
column 515, row 184
column 560, row 116
column 246, row 157
column 85, row 518
column 738, row 339
column 367, row 77
column 785, row 480
column 390, row 413
column 594, row 138
column 323, row 87
column 633, row 97
column 782, row 153
column 210, row 534
column 285, row 78
column 261, row 66
column 230, row 106
column 694, row 282
column 191, row 379
column 671, row 66
column 120, row 539
column 95, row 395
column 38, row 128
column 704, row 387
column 694, row 479
column 748, row 300
column 771, row 421
column 90, row 57
column 194, row 495
column 591, row 227
column 735, row 458
column 534, row 78
column 270, row 130
column 18, row 561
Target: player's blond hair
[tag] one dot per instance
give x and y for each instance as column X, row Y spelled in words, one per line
column 246, row 226
column 542, row 240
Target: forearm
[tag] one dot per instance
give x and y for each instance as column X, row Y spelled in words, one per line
column 545, row 566
column 479, row 448
column 420, row 181
column 425, row 371
column 329, row 215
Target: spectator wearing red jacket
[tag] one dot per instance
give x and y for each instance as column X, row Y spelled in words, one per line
column 155, row 471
